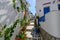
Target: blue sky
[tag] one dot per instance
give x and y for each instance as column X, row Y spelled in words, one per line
column 32, row 6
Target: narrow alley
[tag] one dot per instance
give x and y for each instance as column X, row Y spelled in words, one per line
column 29, row 19
column 31, row 34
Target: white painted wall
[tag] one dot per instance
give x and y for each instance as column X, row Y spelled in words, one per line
column 8, row 15
column 52, row 23
column 7, row 12
column 40, row 6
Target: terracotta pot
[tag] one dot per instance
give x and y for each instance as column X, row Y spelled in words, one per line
column 18, row 39
column 25, row 36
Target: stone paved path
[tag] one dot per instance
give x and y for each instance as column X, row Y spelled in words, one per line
column 31, row 33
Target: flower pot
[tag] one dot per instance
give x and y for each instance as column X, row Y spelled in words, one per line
column 25, row 36
column 18, row 39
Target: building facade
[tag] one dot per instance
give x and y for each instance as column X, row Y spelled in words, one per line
column 43, row 5
column 48, row 12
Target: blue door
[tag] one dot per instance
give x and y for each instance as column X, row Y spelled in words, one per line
column 58, row 6
column 46, row 10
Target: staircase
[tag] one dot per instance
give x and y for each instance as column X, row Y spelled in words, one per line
column 31, row 34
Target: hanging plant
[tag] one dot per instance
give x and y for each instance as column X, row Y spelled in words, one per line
column 6, row 34
column 1, row 30
column 25, row 18
column 0, row 34
column 14, row 1
column 22, row 5
column 22, row 22
column 14, row 4
column 9, row 31
column 5, row 26
column 6, row 38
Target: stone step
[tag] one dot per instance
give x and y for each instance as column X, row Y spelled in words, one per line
column 28, row 30
column 32, row 35
column 28, row 34
column 30, row 27
column 32, row 23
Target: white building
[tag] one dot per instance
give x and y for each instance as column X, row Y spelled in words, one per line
column 43, row 5
column 48, row 10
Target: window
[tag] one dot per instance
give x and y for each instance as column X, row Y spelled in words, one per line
column 58, row 6
column 46, row 10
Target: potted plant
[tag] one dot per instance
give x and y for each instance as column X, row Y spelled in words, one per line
column 21, row 36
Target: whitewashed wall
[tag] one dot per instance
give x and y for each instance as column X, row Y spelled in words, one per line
column 52, row 23
column 7, row 12
column 40, row 6
column 8, row 15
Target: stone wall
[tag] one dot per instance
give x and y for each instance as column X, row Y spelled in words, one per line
column 46, row 36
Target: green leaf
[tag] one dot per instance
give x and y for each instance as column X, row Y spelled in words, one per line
column 7, row 31
column 11, row 34
column 5, row 26
column 22, row 22
column 22, row 6
column 14, row 5
column 6, row 38
column 0, row 34
column 20, row 1
column 12, row 31
column 13, row 0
